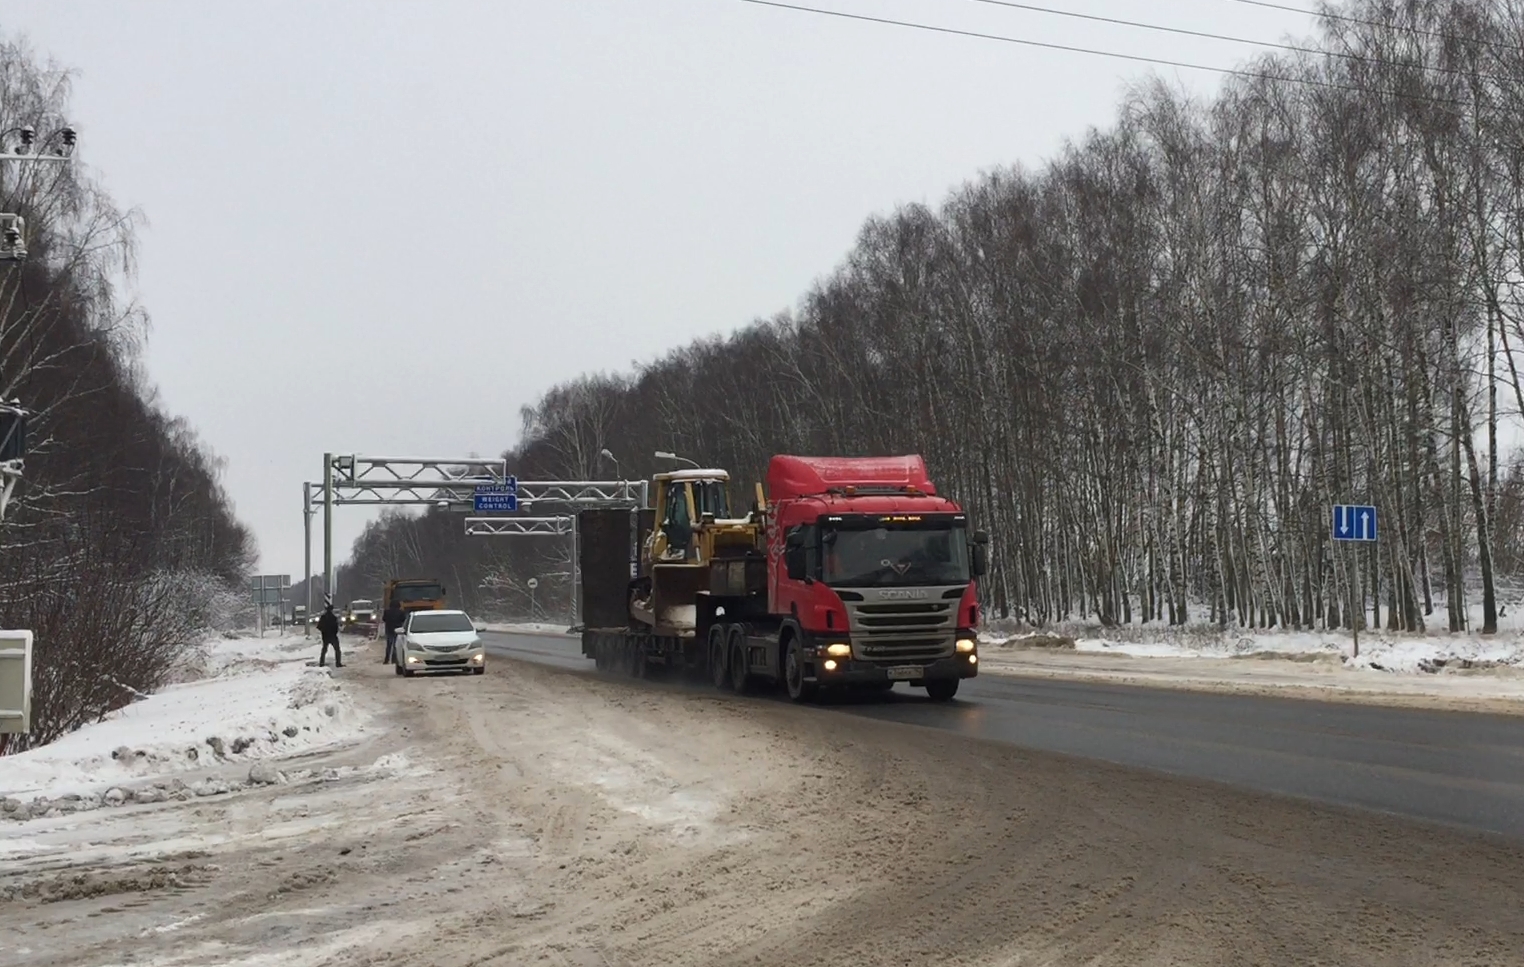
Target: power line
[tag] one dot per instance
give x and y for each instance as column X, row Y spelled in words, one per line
column 1067, row 48
column 1187, row 32
column 1385, row 25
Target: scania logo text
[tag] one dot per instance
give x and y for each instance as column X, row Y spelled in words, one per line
column 901, row 594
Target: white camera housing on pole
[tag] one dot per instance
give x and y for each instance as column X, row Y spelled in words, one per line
column 15, row 682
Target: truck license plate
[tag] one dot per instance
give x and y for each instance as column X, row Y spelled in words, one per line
column 904, row 673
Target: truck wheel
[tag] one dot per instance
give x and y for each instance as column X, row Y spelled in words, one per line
column 740, row 674
column 793, row 674
column 942, row 689
column 637, row 659
column 718, row 673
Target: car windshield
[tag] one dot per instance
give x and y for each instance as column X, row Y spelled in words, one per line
column 894, row 555
column 404, row 593
column 425, row 623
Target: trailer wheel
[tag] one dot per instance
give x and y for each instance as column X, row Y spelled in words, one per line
column 719, row 674
column 942, row 690
column 793, row 674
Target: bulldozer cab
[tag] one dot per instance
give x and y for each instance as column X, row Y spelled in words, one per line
column 694, row 521
column 695, row 547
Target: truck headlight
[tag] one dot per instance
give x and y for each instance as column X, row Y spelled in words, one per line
column 965, row 645
column 839, row 650
column 830, row 665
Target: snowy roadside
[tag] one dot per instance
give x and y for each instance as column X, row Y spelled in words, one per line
column 256, row 700
column 1460, row 671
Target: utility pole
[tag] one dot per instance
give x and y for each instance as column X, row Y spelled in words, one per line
column 13, row 249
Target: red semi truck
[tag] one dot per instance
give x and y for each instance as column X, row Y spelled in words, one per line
column 849, row 572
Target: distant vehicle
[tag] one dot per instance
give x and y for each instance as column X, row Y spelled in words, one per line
column 298, row 615
column 414, row 594
column 360, row 617
column 437, row 641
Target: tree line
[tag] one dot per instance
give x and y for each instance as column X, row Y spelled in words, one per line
column 120, row 549
column 1151, row 365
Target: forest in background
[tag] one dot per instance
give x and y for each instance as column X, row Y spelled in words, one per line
column 1150, row 365
column 120, row 549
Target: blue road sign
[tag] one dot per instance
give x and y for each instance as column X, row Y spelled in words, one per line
column 498, row 498
column 1354, row 522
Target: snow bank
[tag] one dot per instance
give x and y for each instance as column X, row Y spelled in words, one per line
column 259, row 700
column 1411, row 654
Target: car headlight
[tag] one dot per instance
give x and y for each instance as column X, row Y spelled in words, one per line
column 413, row 659
column 839, row 650
column 965, row 645
column 478, row 658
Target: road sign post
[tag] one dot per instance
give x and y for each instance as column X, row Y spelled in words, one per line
column 268, row 589
column 1355, row 524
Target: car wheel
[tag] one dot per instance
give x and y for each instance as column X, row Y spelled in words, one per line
column 397, row 668
column 479, row 671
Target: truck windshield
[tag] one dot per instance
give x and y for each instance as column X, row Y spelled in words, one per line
column 894, row 555
column 417, row 592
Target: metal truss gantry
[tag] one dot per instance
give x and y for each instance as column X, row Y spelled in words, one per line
column 448, row 483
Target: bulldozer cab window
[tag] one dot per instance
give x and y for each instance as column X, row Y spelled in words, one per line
column 676, row 525
column 709, row 498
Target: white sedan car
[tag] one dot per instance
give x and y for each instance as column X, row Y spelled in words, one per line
column 437, row 641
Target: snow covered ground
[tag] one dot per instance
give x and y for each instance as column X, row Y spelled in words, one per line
column 1439, row 670
column 251, row 699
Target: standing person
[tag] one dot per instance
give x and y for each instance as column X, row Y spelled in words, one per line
column 328, row 627
column 392, row 619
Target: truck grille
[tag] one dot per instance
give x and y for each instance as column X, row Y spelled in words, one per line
column 899, row 631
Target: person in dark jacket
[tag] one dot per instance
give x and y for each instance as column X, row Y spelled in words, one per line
column 392, row 619
column 328, row 627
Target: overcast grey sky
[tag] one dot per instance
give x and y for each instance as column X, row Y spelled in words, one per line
column 382, row 227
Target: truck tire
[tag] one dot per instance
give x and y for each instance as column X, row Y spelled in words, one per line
column 942, row 690
column 740, row 674
column 793, row 674
column 719, row 672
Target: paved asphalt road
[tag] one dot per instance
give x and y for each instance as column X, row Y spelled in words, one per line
column 1456, row 768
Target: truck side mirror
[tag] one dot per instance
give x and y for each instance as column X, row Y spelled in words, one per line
column 793, row 555
column 978, row 561
column 793, row 560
